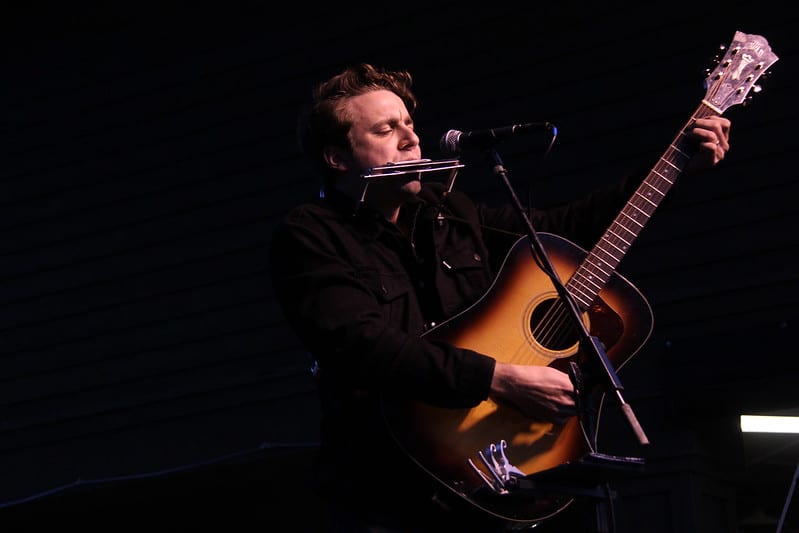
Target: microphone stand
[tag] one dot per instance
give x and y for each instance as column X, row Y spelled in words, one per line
column 591, row 345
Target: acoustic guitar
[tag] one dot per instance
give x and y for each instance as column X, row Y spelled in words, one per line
column 485, row 454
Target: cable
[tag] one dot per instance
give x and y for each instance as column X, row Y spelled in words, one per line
column 155, row 474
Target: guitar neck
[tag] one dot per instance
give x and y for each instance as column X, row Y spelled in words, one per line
column 596, row 269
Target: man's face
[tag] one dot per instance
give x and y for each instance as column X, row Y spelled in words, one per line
column 381, row 132
column 382, row 129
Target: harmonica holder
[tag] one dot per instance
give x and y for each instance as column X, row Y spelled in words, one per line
column 406, row 168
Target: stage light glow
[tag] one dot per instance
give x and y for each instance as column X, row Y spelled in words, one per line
column 769, row 424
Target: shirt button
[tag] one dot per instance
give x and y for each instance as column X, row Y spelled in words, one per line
column 477, row 257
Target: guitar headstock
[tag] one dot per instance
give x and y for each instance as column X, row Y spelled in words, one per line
column 746, row 60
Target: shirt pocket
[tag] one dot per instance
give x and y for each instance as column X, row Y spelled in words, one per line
column 468, row 277
column 392, row 292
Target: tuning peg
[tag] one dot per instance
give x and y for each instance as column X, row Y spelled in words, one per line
column 751, row 95
column 766, row 75
column 723, row 52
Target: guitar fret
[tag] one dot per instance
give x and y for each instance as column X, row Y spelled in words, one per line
column 605, row 274
column 645, row 198
column 617, row 224
column 589, row 280
column 664, row 178
column 622, row 250
column 639, row 209
column 589, row 291
column 582, row 291
column 670, row 163
column 631, row 219
column 655, row 194
column 589, row 284
column 677, row 148
column 581, row 283
column 652, row 195
column 585, row 300
column 595, row 254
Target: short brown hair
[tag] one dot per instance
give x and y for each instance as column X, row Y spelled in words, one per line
column 322, row 124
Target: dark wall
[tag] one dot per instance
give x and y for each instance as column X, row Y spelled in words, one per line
column 148, row 153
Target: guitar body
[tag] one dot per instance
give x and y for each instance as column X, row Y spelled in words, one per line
column 503, row 324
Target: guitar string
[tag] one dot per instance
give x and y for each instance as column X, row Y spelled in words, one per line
column 552, row 330
column 555, row 329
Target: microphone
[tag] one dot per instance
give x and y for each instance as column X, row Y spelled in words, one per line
column 454, row 141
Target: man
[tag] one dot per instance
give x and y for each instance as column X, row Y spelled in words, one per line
column 363, row 277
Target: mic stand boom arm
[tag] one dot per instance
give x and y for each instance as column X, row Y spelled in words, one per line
column 589, row 343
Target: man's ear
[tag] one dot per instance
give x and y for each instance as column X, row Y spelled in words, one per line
column 334, row 158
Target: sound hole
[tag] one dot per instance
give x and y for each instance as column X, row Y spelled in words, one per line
column 552, row 327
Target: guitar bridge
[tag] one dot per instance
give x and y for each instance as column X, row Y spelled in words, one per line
column 496, row 462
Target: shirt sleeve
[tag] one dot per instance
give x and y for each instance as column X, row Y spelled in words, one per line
column 582, row 220
column 347, row 319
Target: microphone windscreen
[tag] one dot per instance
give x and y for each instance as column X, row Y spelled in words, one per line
column 450, row 142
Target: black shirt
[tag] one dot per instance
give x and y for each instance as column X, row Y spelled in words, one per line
column 360, row 292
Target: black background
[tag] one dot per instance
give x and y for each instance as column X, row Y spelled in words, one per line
column 145, row 369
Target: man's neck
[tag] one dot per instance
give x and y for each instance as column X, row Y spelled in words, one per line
column 389, row 207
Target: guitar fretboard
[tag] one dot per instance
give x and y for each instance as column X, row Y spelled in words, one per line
column 600, row 263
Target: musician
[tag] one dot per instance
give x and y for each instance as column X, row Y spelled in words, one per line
column 362, row 277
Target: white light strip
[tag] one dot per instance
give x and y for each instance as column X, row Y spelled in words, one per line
column 769, row 424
